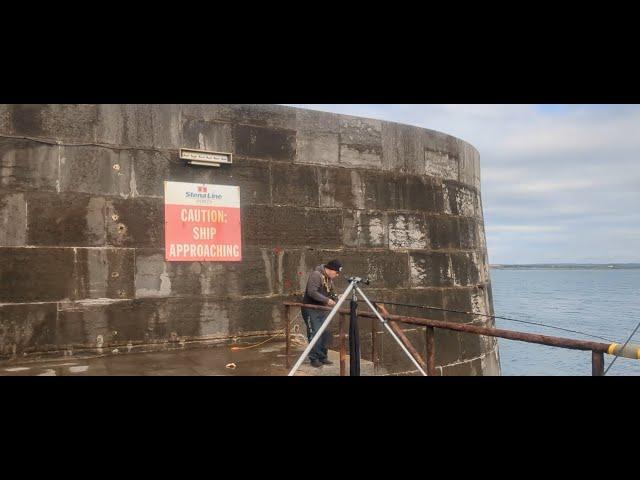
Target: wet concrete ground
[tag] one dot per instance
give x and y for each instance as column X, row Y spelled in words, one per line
column 218, row 360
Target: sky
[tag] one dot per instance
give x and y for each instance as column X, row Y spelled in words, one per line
column 560, row 183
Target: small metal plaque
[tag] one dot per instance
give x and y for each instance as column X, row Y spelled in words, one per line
column 203, row 157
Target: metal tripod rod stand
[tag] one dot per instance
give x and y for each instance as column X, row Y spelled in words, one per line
column 386, row 324
column 316, row 337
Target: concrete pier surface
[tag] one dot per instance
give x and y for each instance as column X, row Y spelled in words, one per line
column 267, row 359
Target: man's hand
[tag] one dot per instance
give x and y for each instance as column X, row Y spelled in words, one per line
column 330, row 303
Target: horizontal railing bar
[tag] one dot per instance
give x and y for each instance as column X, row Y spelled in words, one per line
column 490, row 332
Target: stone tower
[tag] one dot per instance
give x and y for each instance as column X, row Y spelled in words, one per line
column 82, row 262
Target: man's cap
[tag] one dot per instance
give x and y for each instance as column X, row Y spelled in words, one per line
column 334, row 265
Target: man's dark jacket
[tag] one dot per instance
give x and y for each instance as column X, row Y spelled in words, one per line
column 319, row 288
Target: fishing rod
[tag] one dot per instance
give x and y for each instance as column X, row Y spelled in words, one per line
column 499, row 317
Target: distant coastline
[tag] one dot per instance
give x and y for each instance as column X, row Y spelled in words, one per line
column 569, row 266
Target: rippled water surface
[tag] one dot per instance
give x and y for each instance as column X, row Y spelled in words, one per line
column 601, row 302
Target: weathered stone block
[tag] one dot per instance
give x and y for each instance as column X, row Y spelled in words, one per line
column 256, row 315
column 66, row 219
column 444, row 232
column 317, row 139
column 418, row 193
column 95, row 170
column 427, row 297
column 481, row 236
column 207, row 135
column 480, row 305
column 464, row 268
column 468, row 232
column 214, row 320
column 321, row 148
column 265, row 143
column 490, row 364
column 167, row 126
column 152, row 274
column 394, row 158
column 317, row 121
column 489, row 291
column 384, row 269
column 295, row 185
column 144, row 321
column 448, row 346
column 5, row 119
column 461, row 200
column 430, row 269
column 68, row 122
column 104, row 324
column 440, row 164
column 483, row 266
column 13, row 220
column 360, row 142
column 477, row 176
column 365, row 229
column 184, row 317
column 467, row 162
column 407, row 231
column 458, row 299
column 255, row 275
column 291, row 226
column 27, row 327
column 150, row 169
column 360, row 131
column 135, row 222
column 262, row 115
column 472, row 346
column 479, row 210
column 381, row 191
column 105, row 273
column 36, row 274
column 340, row 187
column 26, row 165
column 125, row 124
column 365, row 156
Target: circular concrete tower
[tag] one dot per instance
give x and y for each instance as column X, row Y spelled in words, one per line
column 82, row 243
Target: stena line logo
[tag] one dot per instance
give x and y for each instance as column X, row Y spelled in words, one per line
column 202, row 192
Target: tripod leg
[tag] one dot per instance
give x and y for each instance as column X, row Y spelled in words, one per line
column 324, row 326
column 386, row 324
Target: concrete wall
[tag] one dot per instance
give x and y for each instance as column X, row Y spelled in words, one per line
column 82, row 211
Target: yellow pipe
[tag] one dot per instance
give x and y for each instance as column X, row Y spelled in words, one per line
column 630, row 351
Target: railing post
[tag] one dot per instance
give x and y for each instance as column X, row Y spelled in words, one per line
column 343, row 347
column 373, row 343
column 287, row 334
column 597, row 364
column 431, row 352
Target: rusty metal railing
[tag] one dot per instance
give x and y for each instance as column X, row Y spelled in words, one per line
column 598, row 349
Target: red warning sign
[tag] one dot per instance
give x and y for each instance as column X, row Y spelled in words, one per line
column 202, row 223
